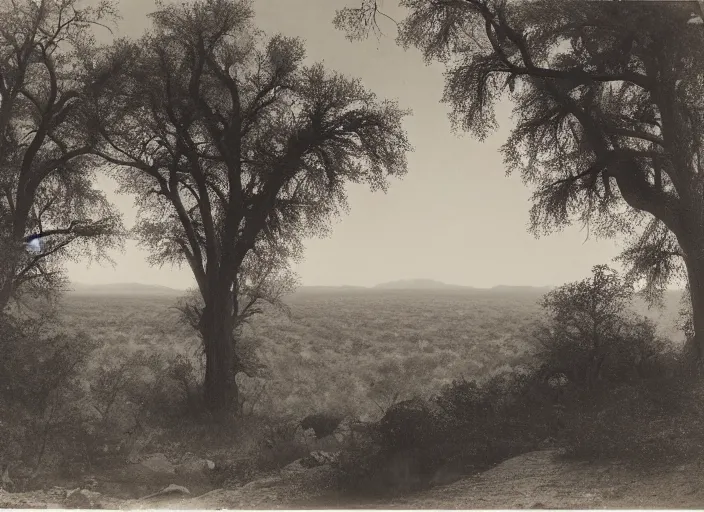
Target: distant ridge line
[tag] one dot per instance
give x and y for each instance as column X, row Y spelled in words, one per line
column 425, row 284
column 398, row 285
column 122, row 289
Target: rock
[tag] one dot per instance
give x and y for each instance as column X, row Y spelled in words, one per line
column 262, row 483
column 323, row 424
column 319, row 458
column 293, row 468
column 194, row 466
column 83, row 499
column 158, row 463
column 170, row 489
column 90, row 482
column 59, row 492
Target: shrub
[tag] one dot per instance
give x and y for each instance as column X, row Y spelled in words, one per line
column 464, row 402
column 42, row 398
column 591, row 337
column 409, row 424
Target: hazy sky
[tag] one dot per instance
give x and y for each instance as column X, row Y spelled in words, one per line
column 455, row 217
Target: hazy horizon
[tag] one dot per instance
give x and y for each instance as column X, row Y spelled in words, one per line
column 135, row 283
column 455, row 217
column 450, row 286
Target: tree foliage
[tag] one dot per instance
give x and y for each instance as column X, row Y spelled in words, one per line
column 50, row 69
column 608, row 109
column 268, row 139
column 592, row 335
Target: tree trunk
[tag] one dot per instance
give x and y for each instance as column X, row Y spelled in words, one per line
column 694, row 261
column 11, row 250
column 8, row 267
column 221, row 392
column 695, row 276
column 5, row 293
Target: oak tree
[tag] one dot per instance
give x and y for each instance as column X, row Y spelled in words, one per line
column 236, row 149
column 50, row 67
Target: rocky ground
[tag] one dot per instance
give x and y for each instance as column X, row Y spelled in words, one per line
column 535, row 480
column 542, row 480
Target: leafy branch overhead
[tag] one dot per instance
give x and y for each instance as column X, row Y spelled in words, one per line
column 50, row 69
column 607, row 107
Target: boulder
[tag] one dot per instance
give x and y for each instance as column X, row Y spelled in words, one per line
column 323, row 424
column 58, row 493
column 319, row 458
column 83, row 498
column 170, row 490
column 194, row 466
column 158, row 463
column 294, row 468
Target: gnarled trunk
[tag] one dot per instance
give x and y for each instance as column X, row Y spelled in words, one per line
column 695, row 275
column 692, row 245
column 217, row 326
column 11, row 250
column 8, row 270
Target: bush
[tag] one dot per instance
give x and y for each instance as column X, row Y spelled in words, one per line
column 591, row 337
column 468, row 425
column 42, row 398
column 632, row 421
column 409, row 424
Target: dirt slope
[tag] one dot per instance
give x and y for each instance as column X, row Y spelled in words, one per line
column 534, row 480
column 543, row 480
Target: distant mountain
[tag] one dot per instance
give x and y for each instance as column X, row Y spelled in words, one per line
column 502, row 288
column 420, row 284
column 431, row 284
column 302, row 290
column 122, row 289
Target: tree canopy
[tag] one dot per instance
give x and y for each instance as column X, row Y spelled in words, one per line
column 236, row 149
column 50, row 69
column 607, row 107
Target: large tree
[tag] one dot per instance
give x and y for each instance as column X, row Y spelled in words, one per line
column 49, row 67
column 609, row 104
column 236, row 149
